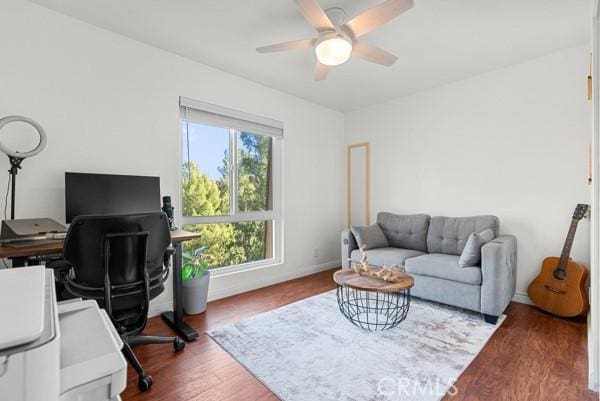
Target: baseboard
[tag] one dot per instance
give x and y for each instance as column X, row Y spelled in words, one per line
column 522, row 298
column 272, row 279
column 158, row 308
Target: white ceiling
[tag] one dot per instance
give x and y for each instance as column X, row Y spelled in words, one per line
column 437, row 42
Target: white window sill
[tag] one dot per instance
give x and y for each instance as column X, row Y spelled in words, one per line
column 245, row 267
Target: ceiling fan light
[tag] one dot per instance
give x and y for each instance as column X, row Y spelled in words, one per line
column 333, row 51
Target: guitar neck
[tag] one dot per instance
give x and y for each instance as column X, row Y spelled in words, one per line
column 566, row 251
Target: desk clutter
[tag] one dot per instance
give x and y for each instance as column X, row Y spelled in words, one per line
column 21, row 232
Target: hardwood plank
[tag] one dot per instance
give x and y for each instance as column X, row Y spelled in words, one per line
column 228, row 371
column 243, row 386
column 532, row 356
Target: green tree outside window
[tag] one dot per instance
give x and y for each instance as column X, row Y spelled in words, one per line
column 231, row 243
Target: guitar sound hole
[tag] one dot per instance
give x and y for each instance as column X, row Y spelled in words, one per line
column 560, row 274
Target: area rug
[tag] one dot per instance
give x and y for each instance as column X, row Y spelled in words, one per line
column 308, row 351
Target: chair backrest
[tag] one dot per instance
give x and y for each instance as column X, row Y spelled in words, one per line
column 85, row 247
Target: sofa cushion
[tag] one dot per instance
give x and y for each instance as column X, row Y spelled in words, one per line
column 405, row 231
column 471, row 254
column 443, row 266
column 370, row 236
column 387, row 256
column 449, row 234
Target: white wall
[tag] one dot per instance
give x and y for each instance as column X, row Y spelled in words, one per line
column 512, row 142
column 110, row 104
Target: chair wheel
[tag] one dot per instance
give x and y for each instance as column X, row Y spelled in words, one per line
column 178, row 344
column 145, row 383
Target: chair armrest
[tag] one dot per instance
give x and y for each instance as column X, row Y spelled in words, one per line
column 499, row 274
column 348, row 245
column 169, row 252
column 61, row 269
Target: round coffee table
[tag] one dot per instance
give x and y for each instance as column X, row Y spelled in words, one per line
column 371, row 303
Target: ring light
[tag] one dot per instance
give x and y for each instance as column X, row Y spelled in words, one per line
column 16, row 157
column 15, row 153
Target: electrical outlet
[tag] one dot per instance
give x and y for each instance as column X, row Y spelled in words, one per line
column 316, row 253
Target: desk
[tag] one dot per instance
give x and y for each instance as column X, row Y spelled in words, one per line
column 174, row 319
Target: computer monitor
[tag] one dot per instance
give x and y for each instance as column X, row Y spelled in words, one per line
column 110, row 194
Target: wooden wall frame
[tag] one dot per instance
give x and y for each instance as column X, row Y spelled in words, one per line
column 367, row 147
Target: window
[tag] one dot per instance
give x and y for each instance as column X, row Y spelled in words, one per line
column 231, row 188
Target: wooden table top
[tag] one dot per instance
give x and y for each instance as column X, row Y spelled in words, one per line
column 349, row 278
column 181, row 235
column 46, row 247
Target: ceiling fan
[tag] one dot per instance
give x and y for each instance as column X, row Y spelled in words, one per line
column 338, row 40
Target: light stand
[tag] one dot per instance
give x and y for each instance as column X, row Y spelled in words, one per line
column 15, row 165
column 16, row 157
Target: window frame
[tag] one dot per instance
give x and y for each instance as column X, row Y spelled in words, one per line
column 273, row 217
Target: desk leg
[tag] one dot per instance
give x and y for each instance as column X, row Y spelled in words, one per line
column 175, row 319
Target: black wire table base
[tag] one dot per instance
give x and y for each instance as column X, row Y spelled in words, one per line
column 373, row 310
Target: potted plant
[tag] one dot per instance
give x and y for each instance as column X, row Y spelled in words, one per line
column 196, row 277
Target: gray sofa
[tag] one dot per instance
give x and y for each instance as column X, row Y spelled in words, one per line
column 430, row 247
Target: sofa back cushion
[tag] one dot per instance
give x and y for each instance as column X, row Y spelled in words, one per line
column 405, row 231
column 449, row 235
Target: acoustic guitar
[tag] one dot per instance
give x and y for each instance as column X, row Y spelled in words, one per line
column 560, row 287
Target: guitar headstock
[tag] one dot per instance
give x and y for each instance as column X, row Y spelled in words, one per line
column 580, row 211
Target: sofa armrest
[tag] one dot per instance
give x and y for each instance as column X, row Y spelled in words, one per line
column 348, row 245
column 499, row 274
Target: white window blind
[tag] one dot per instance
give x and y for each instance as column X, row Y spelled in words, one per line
column 206, row 113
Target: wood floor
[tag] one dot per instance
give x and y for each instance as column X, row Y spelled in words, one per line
column 532, row 356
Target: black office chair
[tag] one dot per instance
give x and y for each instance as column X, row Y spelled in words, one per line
column 121, row 262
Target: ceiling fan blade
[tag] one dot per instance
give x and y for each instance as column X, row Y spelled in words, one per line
column 373, row 54
column 321, row 71
column 376, row 16
column 313, row 12
column 294, row 44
